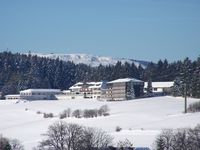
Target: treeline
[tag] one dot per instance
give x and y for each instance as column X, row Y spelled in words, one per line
column 185, row 74
column 19, row 72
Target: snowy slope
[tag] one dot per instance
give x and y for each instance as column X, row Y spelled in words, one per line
column 141, row 120
column 92, row 60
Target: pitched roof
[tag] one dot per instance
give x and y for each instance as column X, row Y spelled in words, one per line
column 160, row 84
column 41, row 90
column 125, row 80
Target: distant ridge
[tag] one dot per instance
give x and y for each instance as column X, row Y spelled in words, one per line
column 92, row 60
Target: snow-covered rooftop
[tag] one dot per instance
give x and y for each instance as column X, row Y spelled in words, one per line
column 160, row 84
column 12, row 95
column 125, row 80
column 40, row 90
column 66, row 91
column 79, row 83
column 76, row 86
column 90, row 84
column 96, row 85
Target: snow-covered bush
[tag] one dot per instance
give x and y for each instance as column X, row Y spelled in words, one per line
column 66, row 113
column 103, row 109
column 106, row 114
column 87, row 113
column 45, row 115
column 194, row 107
column 90, row 113
column 118, row 129
column 38, row 112
column 48, row 115
column 77, row 113
column 62, row 115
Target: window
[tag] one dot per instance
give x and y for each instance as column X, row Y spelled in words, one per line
column 155, row 89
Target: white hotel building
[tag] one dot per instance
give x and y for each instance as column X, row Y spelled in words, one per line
column 80, row 90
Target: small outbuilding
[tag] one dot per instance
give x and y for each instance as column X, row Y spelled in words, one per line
column 160, row 88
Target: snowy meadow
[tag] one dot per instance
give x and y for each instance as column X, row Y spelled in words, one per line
column 140, row 120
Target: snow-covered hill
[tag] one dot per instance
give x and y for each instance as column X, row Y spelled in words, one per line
column 91, row 59
column 141, row 120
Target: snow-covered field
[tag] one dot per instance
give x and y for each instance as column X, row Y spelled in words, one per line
column 141, row 120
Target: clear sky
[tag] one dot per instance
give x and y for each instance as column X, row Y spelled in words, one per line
column 138, row 29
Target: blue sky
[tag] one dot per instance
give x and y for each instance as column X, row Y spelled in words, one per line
column 138, row 29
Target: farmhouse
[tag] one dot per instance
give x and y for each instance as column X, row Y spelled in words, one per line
column 124, row 89
column 39, row 94
column 160, row 88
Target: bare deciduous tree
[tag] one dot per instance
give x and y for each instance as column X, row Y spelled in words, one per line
column 16, row 145
column 68, row 112
column 179, row 139
column 90, row 113
column 126, row 144
column 56, row 137
column 63, row 136
column 96, row 139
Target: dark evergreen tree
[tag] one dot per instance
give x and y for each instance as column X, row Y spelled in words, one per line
column 186, row 75
column 160, row 143
column 131, row 91
column 58, row 78
column 177, row 89
column 149, row 87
